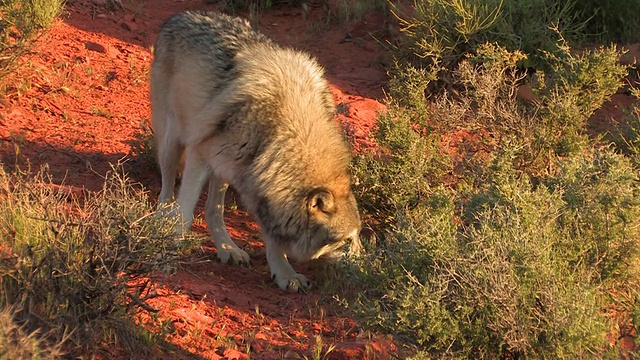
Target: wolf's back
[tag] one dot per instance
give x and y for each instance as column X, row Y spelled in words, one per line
column 212, row 40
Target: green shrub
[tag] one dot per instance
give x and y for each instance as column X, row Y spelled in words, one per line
column 402, row 173
column 20, row 22
column 76, row 268
column 411, row 158
column 516, row 242
column 143, row 149
column 509, row 269
column 601, row 195
column 440, row 32
column 576, row 87
column 484, row 105
column 626, row 135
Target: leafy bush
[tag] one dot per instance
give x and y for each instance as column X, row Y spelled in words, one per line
column 485, row 107
column 440, row 32
column 626, row 135
column 509, row 269
column 75, row 268
column 501, row 229
column 400, row 175
column 578, row 85
column 20, row 22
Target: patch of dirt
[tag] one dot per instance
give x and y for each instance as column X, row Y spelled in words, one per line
column 76, row 106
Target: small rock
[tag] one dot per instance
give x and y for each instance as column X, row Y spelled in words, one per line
column 95, row 47
column 292, row 355
column 129, row 25
column 220, row 350
column 232, row 354
column 112, row 52
column 260, row 336
column 238, row 339
column 111, row 75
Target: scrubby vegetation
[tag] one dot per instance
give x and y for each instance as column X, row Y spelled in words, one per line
column 441, row 32
column 74, row 267
column 73, row 271
column 502, row 229
column 20, row 22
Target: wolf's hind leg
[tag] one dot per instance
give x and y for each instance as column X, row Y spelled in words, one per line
column 214, row 215
column 169, row 148
column 196, row 173
column 169, row 153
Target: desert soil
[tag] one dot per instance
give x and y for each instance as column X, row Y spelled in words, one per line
column 83, row 95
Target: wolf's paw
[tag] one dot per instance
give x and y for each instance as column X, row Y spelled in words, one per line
column 293, row 283
column 227, row 252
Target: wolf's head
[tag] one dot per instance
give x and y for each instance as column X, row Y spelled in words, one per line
column 333, row 225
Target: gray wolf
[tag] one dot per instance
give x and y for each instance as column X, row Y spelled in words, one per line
column 248, row 113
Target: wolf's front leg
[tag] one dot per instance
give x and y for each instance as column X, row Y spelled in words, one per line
column 214, row 215
column 281, row 271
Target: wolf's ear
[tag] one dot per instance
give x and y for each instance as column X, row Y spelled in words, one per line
column 320, row 201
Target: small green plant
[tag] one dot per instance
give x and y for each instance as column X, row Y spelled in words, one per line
column 233, row 6
column 143, row 147
column 138, row 73
column 318, row 351
column 101, row 112
column 344, row 11
column 21, row 22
